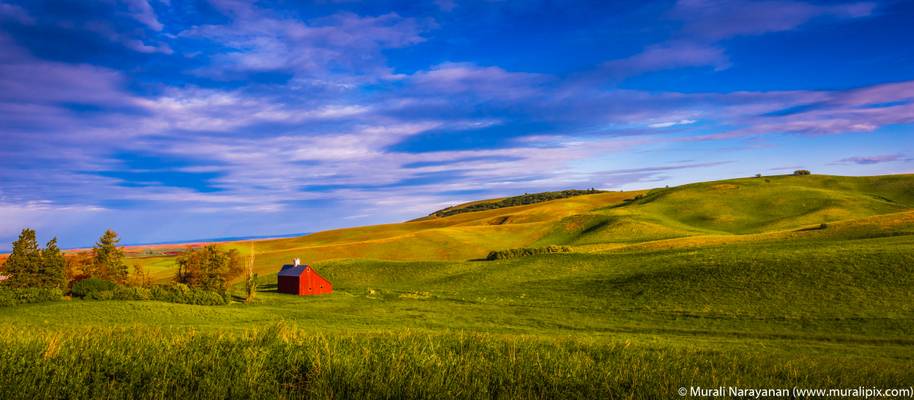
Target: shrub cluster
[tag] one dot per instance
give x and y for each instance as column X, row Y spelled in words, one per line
column 180, row 293
column 514, row 201
column 100, row 289
column 14, row 296
column 801, row 172
column 92, row 287
column 526, row 251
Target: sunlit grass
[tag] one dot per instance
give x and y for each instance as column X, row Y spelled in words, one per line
column 657, row 294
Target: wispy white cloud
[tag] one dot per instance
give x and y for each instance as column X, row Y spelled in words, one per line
column 869, row 160
column 346, row 45
column 658, row 57
column 486, row 83
column 40, row 214
column 667, row 124
column 142, row 11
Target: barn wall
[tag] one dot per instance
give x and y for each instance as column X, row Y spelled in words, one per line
column 312, row 284
column 287, row 284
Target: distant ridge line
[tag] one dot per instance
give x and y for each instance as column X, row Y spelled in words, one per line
column 203, row 241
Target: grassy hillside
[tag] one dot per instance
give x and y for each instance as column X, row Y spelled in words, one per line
column 458, row 237
column 811, row 312
column 601, row 221
column 782, row 202
column 764, row 282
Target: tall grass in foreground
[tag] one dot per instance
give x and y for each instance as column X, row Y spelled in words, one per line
column 283, row 362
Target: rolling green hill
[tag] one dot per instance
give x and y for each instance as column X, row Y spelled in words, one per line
column 783, row 202
column 710, row 209
column 782, row 281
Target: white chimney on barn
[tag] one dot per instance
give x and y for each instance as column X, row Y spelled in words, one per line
column 296, row 261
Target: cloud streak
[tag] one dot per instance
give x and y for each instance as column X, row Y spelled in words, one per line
column 343, row 45
column 869, row 160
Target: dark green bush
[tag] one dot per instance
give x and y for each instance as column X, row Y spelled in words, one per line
column 7, row 298
column 205, row 297
column 131, row 293
column 11, row 297
column 801, row 172
column 526, row 251
column 181, row 293
column 98, row 289
column 88, row 287
column 100, row 295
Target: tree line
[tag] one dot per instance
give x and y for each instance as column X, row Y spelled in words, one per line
column 29, row 266
column 525, row 199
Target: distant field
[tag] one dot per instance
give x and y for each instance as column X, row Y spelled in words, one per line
column 761, row 282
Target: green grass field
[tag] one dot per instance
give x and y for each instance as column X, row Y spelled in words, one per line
column 730, row 283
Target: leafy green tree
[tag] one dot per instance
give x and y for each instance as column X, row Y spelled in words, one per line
column 53, row 266
column 24, row 261
column 108, row 260
column 208, row 268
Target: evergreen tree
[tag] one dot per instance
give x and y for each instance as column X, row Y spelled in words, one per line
column 23, row 263
column 108, row 260
column 53, row 267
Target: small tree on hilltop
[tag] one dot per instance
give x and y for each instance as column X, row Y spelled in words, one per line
column 800, row 172
column 24, row 261
column 108, row 260
column 53, row 267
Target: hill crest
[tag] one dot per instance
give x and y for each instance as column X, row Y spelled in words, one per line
column 598, row 221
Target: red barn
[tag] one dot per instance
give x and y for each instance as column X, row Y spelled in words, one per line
column 301, row 280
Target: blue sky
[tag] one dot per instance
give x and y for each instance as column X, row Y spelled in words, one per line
column 172, row 120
